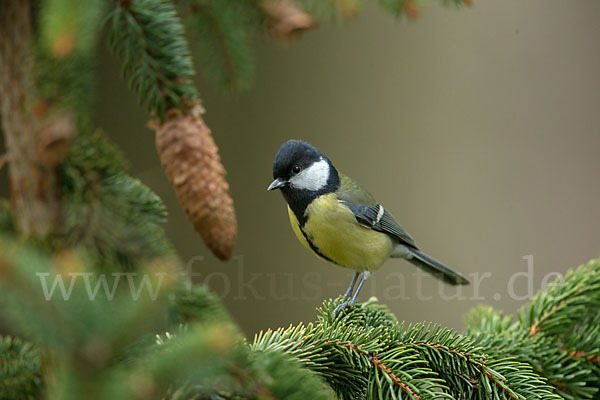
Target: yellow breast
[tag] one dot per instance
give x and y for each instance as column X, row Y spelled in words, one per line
column 335, row 234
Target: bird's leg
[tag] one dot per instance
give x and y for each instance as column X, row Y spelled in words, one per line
column 364, row 278
column 352, row 301
column 350, row 290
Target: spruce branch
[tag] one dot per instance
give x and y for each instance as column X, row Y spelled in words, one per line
column 485, row 319
column 20, row 369
column 106, row 211
column 474, row 372
column 584, row 340
column 570, row 378
column 282, row 377
column 556, row 333
column 64, row 67
column 148, row 36
column 47, row 80
column 196, row 304
column 556, row 310
column 256, row 374
column 365, row 353
column 438, row 363
column 58, row 302
column 355, row 359
column 64, row 85
column 225, row 30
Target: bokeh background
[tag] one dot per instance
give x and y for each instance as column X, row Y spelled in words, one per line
column 478, row 128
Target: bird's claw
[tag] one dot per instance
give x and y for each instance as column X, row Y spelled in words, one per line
column 343, row 306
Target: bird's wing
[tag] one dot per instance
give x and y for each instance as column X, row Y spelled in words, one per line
column 369, row 213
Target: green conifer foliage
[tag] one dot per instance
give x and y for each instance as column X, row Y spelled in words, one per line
column 20, row 370
column 81, row 323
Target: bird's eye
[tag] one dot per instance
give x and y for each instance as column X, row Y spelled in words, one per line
column 296, row 169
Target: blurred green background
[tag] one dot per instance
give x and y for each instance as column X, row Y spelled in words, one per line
column 478, row 128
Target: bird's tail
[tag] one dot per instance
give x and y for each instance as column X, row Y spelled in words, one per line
column 430, row 265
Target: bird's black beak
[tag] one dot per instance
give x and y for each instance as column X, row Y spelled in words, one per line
column 277, row 183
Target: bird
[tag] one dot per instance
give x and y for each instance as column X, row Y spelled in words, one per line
column 341, row 222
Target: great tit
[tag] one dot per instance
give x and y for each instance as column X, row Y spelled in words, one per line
column 340, row 222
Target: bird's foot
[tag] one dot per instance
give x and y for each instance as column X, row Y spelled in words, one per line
column 343, row 306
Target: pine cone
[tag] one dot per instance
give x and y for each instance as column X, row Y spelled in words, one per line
column 191, row 160
column 286, row 19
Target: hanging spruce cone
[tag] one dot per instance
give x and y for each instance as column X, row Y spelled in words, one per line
column 191, row 160
column 286, row 19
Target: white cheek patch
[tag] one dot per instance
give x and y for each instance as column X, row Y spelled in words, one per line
column 314, row 177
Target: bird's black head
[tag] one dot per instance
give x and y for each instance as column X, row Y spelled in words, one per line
column 302, row 173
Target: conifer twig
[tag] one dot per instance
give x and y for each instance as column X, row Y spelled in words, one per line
column 224, row 30
column 148, row 36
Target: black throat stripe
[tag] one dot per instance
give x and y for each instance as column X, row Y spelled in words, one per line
column 313, row 247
